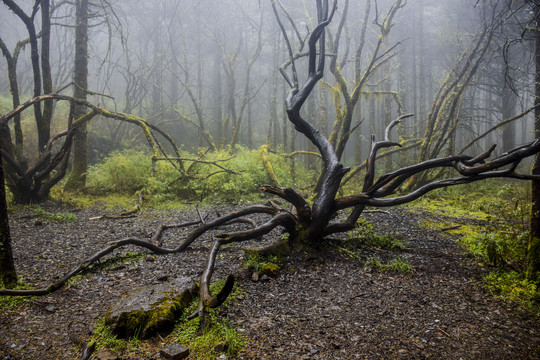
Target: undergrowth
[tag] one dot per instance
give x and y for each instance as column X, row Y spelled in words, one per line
column 498, row 235
column 213, row 335
column 237, row 180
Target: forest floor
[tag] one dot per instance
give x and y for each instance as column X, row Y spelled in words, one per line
column 323, row 305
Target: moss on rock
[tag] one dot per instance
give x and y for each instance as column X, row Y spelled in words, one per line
column 150, row 310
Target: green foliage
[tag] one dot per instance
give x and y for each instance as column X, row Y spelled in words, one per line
column 397, row 265
column 52, row 216
column 513, row 286
column 504, row 237
column 208, row 337
column 501, row 239
column 129, row 171
column 121, row 172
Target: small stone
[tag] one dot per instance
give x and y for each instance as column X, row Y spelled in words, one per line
column 255, row 277
column 50, row 308
column 174, row 352
column 104, row 354
column 221, row 348
column 163, row 277
column 265, row 278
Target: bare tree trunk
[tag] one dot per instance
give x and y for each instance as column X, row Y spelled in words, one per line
column 46, row 68
column 77, row 177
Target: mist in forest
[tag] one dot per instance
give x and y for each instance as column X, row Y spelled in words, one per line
column 208, row 71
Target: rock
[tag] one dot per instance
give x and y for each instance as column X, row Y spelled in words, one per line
column 221, row 348
column 104, row 354
column 269, row 269
column 50, row 308
column 174, row 352
column 255, row 277
column 265, row 278
column 150, row 309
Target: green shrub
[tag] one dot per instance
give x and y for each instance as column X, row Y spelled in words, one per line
column 122, row 172
column 129, row 171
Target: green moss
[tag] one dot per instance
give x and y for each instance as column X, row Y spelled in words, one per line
column 144, row 323
column 212, row 336
column 16, row 301
column 397, row 265
column 264, row 265
column 52, row 216
column 269, row 269
column 512, row 286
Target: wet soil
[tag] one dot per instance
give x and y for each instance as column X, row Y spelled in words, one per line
column 323, row 305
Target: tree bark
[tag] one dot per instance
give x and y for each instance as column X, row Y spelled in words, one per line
column 77, row 177
column 8, row 275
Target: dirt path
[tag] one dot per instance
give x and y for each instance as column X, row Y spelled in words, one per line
column 322, row 306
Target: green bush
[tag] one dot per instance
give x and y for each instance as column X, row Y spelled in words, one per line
column 130, row 171
column 122, row 172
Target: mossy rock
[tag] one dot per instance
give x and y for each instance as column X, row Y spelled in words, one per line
column 151, row 309
column 269, row 269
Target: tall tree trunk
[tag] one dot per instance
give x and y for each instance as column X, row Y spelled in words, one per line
column 533, row 255
column 509, row 101
column 77, row 177
column 8, row 276
column 46, row 69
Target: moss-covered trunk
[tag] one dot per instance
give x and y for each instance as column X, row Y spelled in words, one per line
column 8, row 276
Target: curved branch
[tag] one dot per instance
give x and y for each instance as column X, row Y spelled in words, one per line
column 206, row 298
column 302, row 207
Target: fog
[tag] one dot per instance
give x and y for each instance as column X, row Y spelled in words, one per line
column 190, row 66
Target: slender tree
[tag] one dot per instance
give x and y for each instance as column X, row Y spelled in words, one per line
column 77, row 177
column 533, row 256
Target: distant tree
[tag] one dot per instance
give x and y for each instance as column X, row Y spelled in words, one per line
column 77, row 178
column 40, row 64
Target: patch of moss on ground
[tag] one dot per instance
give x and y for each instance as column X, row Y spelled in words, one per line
column 513, row 286
column 264, row 265
column 212, row 336
column 397, row 265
